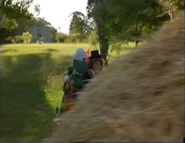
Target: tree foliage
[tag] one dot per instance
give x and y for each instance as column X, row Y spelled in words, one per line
column 78, row 23
column 93, row 38
column 25, row 38
column 78, row 31
column 60, row 37
column 14, row 17
column 124, row 20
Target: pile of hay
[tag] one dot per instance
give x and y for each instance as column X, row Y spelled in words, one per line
column 140, row 97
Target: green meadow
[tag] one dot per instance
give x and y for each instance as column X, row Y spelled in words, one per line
column 31, row 87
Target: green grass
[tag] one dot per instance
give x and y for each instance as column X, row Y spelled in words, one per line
column 31, row 87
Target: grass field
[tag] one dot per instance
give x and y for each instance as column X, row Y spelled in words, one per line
column 31, row 87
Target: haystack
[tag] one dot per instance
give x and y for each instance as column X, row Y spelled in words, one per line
column 140, row 97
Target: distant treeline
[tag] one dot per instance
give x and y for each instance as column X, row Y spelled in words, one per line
column 18, row 25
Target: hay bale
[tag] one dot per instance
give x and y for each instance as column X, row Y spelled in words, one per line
column 137, row 98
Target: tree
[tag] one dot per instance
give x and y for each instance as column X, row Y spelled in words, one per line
column 60, row 37
column 124, row 20
column 15, row 19
column 78, row 23
column 37, row 9
column 12, row 15
column 42, row 31
column 78, row 28
column 144, row 23
column 94, row 7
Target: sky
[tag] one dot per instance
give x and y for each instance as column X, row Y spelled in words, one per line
column 57, row 12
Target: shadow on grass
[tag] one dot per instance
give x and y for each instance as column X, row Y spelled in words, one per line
column 8, row 50
column 51, row 50
column 25, row 112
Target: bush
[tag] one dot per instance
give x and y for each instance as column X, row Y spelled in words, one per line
column 27, row 37
column 14, row 40
column 76, row 38
column 60, row 37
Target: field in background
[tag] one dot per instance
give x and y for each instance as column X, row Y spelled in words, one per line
column 31, row 87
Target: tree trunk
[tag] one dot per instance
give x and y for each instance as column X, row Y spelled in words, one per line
column 136, row 43
column 102, row 36
column 104, row 46
column 137, row 35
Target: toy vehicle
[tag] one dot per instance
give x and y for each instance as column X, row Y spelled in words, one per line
column 76, row 76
